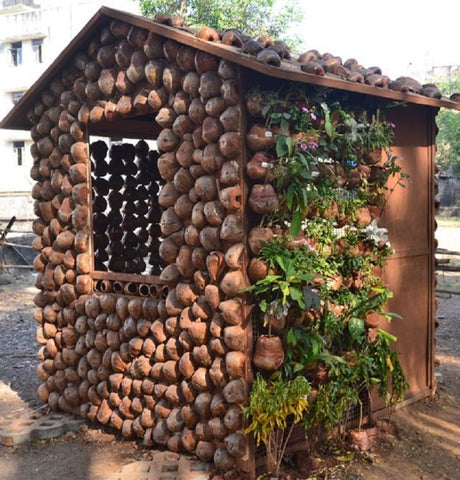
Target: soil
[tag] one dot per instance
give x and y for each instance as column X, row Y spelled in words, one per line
column 424, row 445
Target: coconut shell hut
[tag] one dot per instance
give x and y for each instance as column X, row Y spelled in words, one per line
column 151, row 260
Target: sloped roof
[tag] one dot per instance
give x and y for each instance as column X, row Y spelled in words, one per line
column 288, row 69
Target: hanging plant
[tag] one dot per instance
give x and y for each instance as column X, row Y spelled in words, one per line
column 321, row 248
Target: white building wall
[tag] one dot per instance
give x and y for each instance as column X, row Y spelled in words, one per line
column 56, row 22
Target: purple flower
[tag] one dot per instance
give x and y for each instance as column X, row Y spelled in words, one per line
column 304, row 109
column 312, row 145
column 303, row 146
column 313, row 116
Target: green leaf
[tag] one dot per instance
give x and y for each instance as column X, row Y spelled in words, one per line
column 356, row 327
column 296, row 223
column 387, row 335
column 281, row 146
column 296, row 295
column 263, row 305
column 308, row 297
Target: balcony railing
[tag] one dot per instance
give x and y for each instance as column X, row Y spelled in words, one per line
column 21, row 25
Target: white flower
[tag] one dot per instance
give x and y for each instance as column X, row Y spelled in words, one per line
column 324, row 160
column 375, row 234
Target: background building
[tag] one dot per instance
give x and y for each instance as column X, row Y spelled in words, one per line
column 32, row 34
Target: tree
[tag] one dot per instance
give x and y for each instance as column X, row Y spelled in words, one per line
column 253, row 17
column 448, row 121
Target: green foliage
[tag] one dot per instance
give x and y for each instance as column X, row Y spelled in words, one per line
column 324, row 260
column 448, row 140
column 275, row 406
column 291, row 288
column 392, row 383
column 274, row 402
column 448, row 122
column 262, row 17
column 305, row 348
column 322, row 150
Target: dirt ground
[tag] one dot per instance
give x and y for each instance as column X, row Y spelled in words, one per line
column 426, row 445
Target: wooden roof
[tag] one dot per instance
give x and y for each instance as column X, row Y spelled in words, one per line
column 288, row 70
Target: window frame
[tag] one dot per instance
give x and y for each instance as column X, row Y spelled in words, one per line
column 16, row 53
column 37, row 48
column 18, row 147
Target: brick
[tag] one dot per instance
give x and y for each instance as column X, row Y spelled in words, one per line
column 24, row 430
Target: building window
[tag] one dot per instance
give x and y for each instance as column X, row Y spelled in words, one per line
column 16, row 53
column 18, row 147
column 16, row 96
column 37, row 44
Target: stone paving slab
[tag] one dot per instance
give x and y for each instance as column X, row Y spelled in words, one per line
column 166, row 466
column 28, row 429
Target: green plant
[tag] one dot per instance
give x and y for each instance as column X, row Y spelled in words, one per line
column 306, row 349
column 275, row 406
column 289, row 288
column 392, row 382
column 325, row 261
column 374, row 133
column 331, row 401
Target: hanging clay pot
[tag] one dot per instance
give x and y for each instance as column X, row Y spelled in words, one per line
column 375, row 211
column 372, row 320
column 276, row 324
column 269, row 353
column 263, row 199
column 363, row 217
column 363, row 438
column 372, row 157
column 260, row 138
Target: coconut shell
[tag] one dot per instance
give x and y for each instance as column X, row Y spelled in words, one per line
column 230, row 145
column 233, row 282
column 231, row 198
column 235, row 392
column 235, row 363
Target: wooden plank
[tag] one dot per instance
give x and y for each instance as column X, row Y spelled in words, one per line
column 127, row 277
column 442, row 251
column 126, row 128
column 448, row 268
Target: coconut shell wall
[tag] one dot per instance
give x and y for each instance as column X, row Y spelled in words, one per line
column 141, row 255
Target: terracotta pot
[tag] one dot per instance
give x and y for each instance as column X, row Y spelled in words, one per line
column 316, row 373
column 363, row 439
column 375, row 211
column 372, row 157
column 363, row 217
column 269, row 353
column 263, row 199
column 372, row 320
column 277, row 324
